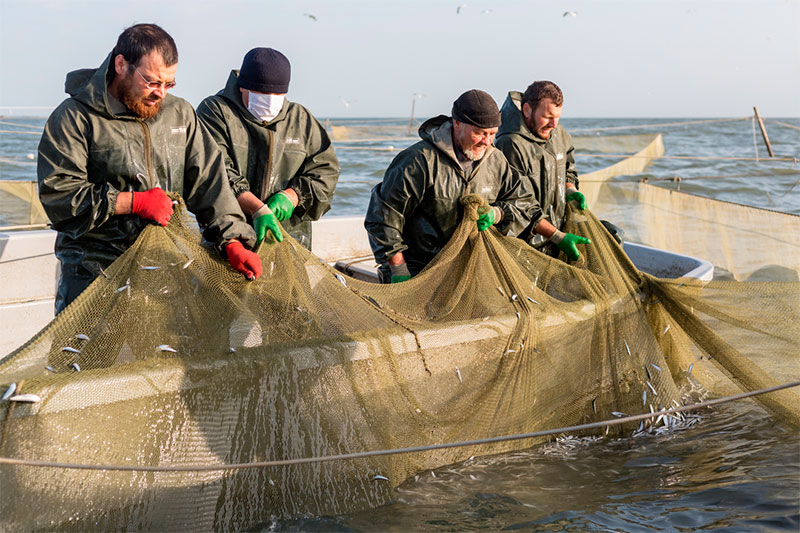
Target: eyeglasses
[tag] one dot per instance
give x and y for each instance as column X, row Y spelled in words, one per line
column 155, row 84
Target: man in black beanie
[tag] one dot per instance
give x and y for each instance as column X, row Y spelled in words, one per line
column 414, row 211
column 281, row 164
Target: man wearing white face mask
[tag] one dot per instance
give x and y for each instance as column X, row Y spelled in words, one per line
column 280, row 161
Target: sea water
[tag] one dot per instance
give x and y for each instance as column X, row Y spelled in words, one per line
column 733, row 470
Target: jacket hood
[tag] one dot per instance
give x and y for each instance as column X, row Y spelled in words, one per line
column 232, row 93
column 512, row 119
column 88, row 86
column 439, row 132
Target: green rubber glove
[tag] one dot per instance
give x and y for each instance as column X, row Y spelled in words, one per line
column 487, row 219
column 264, row 219
column 281, row 205
column 400, row 273
column 578, row 197
column 567, row 242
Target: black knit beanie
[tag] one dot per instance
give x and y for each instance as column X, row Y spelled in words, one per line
column 478, row 108
column 265, row 70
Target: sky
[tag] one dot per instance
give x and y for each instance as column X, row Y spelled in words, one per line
column 360, row 58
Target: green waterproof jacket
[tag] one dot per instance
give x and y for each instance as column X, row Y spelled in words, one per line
column 88, row 155
column 547, row 165
column 290, row 151
column 415, row 209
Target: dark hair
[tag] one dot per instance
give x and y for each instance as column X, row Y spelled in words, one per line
column 141, row 39
column 539, row 90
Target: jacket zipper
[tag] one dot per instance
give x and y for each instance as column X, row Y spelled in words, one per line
column 266, row 180
column 148, row 160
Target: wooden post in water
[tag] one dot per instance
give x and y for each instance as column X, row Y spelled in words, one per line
column 763, row 131
column 413, row 104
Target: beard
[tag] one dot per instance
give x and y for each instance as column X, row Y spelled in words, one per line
column 469, row 154
column 137, row 104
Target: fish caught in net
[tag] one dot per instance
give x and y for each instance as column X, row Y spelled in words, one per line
column 172, row 359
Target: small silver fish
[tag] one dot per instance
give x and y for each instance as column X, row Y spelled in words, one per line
column 103, row 272
column 150, row 268
column 473, row 478
column 187, row 263
column 433, row 474
column 666, row 329
column 511, row 351
column 656, row 366
column 166, row 348
column 501, row 291
column 50, row 368
column 124, row 287
column 644, row 397
column 594, row 405
column 652, row 388
column 9, row 392
column 271, row 482
column 618, row 414
column 26, row 398
column 534, row 301
column 384, row 478
column 513, row 297
column 76, row 367
column 518, row 315
column 271, row 267
column 458, row 373
column 341, row 280
column 232, row 349
column 70, row 349
column 689, row 373
column 82, row 337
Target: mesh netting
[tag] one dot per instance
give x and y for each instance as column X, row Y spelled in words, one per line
column 184, row 363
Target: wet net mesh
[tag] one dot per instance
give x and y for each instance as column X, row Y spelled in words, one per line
column 173, row 359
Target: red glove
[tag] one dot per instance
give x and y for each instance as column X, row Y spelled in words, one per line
column 243, row 260
column 153, row 204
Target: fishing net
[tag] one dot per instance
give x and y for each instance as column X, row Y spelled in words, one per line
column 172, row 359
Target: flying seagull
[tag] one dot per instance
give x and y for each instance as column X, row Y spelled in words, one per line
column 309, row 15
column 346, row 102
column 459, row 8
column 570, row 14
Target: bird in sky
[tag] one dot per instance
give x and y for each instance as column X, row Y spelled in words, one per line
column 459, row 8
column 346, row 102
column 309, row 15
column 570, row 14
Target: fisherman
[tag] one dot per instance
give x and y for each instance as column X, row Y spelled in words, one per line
column 110, row 151
column 541, row 150
column 414, row 211
column 281, row 164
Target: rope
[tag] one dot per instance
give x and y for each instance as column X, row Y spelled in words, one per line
column 755, row 143
column 412, row 449
column 787, row 125
column 682, row 178
column 374, row 140
column 663, row 124
column 21, row 125
column 691, row 157
column 22, row 132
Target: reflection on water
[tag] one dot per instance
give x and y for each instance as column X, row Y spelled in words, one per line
column 735, row 470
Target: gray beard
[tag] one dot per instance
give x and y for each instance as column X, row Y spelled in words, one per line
column 472, row 157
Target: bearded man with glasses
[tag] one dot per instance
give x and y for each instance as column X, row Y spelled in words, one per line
column 110, row 151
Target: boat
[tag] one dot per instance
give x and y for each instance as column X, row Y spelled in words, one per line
column 30, row 270
column 352, row 366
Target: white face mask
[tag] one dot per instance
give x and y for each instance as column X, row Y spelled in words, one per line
column 265, row 106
